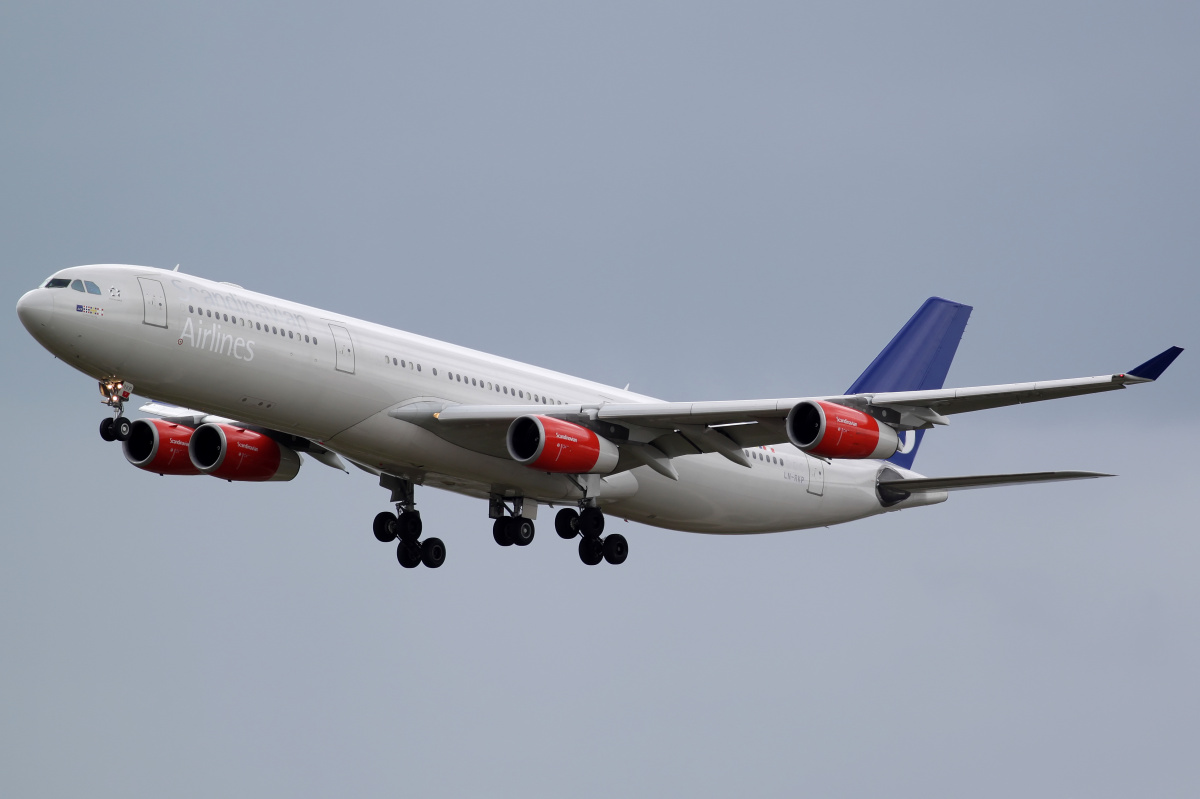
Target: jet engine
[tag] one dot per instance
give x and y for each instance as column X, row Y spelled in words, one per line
column 159, row 447
column 235, row 453
column 835, row 431
column 553, row 445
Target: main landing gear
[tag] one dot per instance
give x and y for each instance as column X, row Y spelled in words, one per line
column 405, row 527
column 588, row 524
column 514, row 529
column 115, row 393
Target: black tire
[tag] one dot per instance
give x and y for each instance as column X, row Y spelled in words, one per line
column 616, row 549
column 383, row 526
column 433, row 552
column 521, row 531
column 566, row 523
column 121, row 428
column 591, row 551
column 410, row 526
column 408, row 553
column 106, row 429
column 500, row 532
column 591, row 523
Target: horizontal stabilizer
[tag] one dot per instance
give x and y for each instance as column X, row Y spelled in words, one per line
column 923, row 484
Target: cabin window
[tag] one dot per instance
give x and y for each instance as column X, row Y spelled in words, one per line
column 506, row 389
column 314, row 339
column 435, row 371
column 306, row 339
column 274, row 330
column 191, row 309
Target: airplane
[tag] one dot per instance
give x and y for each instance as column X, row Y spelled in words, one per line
column 243, row 385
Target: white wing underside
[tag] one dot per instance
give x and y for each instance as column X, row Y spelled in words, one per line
column 673, row 429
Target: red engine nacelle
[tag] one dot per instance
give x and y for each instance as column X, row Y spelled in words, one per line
column 552, row 445
column 836, row 431
column 234, row 453
column 159, row 447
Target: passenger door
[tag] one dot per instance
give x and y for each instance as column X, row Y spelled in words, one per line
column 816, row 475
column 344, row 348
column 155, row 302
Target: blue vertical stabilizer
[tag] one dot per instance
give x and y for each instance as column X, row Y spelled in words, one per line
column 917, row 359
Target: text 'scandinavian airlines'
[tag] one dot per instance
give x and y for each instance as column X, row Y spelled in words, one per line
column 241, row 383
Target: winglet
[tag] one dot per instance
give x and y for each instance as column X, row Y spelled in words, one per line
column 1154, row 367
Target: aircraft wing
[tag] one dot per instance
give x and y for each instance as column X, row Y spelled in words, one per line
column 193, row 418
column 685, row 428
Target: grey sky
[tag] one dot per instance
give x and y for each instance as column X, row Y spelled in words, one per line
column 708, row 202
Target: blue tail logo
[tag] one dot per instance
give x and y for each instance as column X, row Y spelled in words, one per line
column 916, row 359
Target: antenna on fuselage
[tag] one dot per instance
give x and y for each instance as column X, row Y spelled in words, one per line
column 176, row 269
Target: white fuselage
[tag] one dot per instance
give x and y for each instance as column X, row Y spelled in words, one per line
column 265, row 361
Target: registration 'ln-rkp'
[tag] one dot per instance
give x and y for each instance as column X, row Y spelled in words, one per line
column 242, row 384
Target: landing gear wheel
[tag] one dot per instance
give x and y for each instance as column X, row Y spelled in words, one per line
column 121, row 428
column 521, row 531
column 591, row 551
column 407, row 527
column 500, row 532
column 106, row 429
column 591, row 523
column 433, row 552
column 408, row 553
column 566, row 523
column 383, row 526
column 616, row 549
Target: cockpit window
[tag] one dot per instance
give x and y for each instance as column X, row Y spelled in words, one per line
column 91, row 287
column 77, row 285
column 58, row 282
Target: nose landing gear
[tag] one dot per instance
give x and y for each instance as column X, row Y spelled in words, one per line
column 589, row 524
column 115, row 393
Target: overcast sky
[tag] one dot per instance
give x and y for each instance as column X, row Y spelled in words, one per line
column 707, row 202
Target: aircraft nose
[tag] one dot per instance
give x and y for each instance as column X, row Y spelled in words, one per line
column 35, row 310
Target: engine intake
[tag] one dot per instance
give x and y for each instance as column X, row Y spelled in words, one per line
column 159, row 447
column 835, row 431
column 553, row 445
column 234, row 453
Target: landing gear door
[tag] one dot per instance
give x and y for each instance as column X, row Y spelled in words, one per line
column 155, row 302
column 345, row 349
column 816, row 475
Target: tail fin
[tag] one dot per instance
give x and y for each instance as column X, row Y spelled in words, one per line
column 916, row 359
